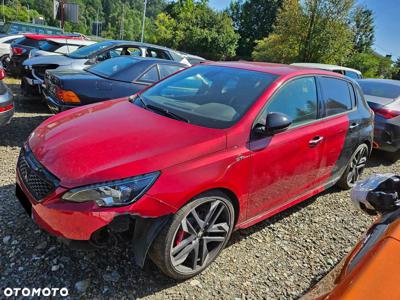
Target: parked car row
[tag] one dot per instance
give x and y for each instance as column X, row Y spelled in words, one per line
column 84, row 57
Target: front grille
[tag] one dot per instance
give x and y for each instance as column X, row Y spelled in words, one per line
column 39, row 182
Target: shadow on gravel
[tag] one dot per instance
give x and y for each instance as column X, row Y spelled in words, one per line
column 378, row 159
column 16, row 133
column 31, row 257
column 241, row 234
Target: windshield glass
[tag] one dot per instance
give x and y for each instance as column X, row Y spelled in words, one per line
column 112, row 67
column 87, row 51
column 210, row 96
column 380, row 89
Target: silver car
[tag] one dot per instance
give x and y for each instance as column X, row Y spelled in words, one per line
column 6, row 100
column 36, row 67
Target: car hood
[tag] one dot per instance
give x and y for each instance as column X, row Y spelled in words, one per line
column 117, row 139
column 71, row 74
column 49, row 60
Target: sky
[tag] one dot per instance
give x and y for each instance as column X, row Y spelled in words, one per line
column 387, row 23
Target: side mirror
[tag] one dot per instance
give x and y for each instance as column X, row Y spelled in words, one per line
column 274, row 123
column 91, row 61
column 277, row 122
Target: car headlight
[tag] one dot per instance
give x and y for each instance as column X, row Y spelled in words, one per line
column 113, row 193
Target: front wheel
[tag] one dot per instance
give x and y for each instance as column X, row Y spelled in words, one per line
column 355, row 168
column 194, row 237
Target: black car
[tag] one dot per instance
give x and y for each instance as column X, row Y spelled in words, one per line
column 383, row 96
column 110, row 79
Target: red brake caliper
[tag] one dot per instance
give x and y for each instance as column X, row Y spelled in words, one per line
column 179, row 237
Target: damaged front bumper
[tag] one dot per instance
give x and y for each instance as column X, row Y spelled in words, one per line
column 86, row 226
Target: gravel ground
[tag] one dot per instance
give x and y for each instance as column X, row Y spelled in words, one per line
column 280, row 258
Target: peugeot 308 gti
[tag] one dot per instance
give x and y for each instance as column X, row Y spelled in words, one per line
column 177, row 167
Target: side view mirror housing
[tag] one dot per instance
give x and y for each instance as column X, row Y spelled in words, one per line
column 91, row 61
column 274, row 123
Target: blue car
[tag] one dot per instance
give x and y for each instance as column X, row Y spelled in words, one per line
column 114, row 78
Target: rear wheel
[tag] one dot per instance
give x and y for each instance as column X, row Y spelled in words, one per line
column 194, row 237
column 355, row 167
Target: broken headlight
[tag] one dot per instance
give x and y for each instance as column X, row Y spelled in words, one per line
column 113, row 193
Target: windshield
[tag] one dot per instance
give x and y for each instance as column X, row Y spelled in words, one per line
column 380, row 89
column 49, row 46
column 210, row 96
column 112, row 67
column 87, row 51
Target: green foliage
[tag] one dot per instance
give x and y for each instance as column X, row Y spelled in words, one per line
column 195, row 28
column 17, row 12
column 309, row 31
column 253, row 20
column 372, row 65
column 363, row 29
column 187, row 25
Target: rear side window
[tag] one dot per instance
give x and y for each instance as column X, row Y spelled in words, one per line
column 298, row 99
column 337, row 95
column 166, row 70
column 156, row 53
column 353, row 75
column 150, row 76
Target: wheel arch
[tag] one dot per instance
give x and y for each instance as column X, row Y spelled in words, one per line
column 229, row 194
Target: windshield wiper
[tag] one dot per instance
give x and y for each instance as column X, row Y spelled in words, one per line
column 141, row 100
column 166, row 112
column 160, row 110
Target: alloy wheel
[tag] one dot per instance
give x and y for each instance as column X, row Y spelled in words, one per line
column 200, row 236
column 357, row 165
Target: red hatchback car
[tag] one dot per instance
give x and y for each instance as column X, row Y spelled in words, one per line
column 176, row 168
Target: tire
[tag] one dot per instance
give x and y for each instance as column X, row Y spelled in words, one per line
column 354, row 168
column 174, row 249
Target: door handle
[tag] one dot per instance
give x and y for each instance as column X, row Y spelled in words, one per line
column 354, row 125
column 315, row 141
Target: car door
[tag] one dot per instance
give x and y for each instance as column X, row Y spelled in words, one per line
column 340, row 119
column 286, row 164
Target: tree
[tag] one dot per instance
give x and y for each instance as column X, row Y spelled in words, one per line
column 309, row 31
column 284, row 44
column 195, row 28
column 373, row 65
column 253, row 20
column 363, row 29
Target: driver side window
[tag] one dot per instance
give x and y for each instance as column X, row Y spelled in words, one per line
column 297, row 99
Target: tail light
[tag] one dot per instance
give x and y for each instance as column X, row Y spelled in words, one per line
column 6, row 108
column 2, row 74
column 67, row 96
column 18, row 50
column 387, row 113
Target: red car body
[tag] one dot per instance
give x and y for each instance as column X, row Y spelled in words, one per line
column 116, row 139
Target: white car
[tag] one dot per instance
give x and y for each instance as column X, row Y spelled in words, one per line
column 349, row 72
column 59, row 47
column 5, row 44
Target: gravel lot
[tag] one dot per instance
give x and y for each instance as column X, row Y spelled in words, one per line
column 280, row 258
